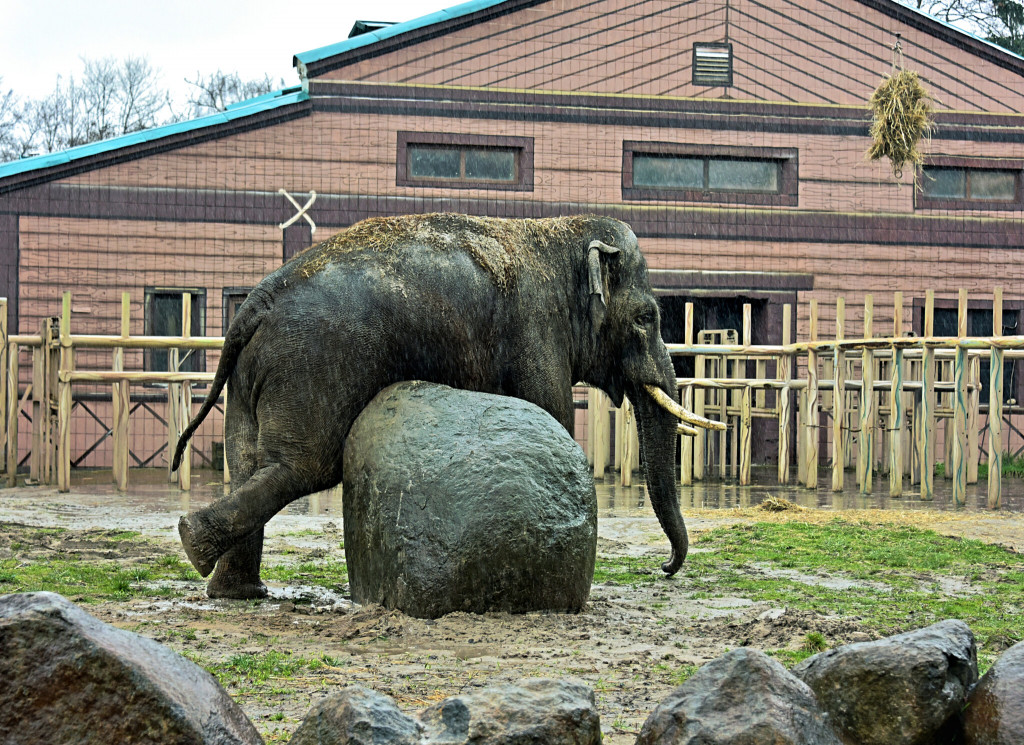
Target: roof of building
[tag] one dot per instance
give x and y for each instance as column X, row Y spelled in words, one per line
column 487, row 8
column 234, row 112
column 455, row 17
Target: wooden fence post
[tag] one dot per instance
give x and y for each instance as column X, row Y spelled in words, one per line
column 53, row 403
column 597, row 430
column 865, row 456
column 700, row 441
column 185, row 401
column 973, row 417
column 3, row 384
column 121, row 402
column 173, row 409
column 838, row 399
column 64, row 406
column 995, row 408
column 811, row 420
column 785, row 397
column 960, row 406
column 686, row 443
column 743, row 446
column 897, row 420
column 11, row 373
column 926, row 423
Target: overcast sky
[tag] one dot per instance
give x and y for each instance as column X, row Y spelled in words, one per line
column 40, row 39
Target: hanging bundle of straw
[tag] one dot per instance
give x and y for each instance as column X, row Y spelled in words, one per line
column 902, row 110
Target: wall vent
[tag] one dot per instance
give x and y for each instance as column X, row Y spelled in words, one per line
column 712, row 64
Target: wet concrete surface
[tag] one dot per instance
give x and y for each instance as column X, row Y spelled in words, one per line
column 152, row 505
column 150, row 492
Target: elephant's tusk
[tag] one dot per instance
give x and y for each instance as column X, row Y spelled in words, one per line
column 666, row 402
column 684, row 429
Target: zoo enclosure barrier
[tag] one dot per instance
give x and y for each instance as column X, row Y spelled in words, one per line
column 882, row 412
column 46, row 399
column 887, row 398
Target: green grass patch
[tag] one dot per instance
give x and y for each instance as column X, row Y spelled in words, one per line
column 39, row 563
column 902, row 578
column 249, row 671
column 1013, row 467
column 329, row 573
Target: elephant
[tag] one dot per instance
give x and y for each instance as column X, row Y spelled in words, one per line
column 515, row 307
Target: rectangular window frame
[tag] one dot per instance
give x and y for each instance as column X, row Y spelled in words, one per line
column 196, row 362
column 788, row 159
column 523, row 147
column 923, row 201
column 229, row 295
column 1013, row 315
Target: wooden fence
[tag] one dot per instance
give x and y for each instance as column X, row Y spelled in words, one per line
column 875, row 403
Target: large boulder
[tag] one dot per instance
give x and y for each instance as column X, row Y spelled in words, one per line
column 901, row 690
column 461, row 501
column 357, row 716
column 554, row 712
column 995, row 709
column 65, row 676
column 742, row 698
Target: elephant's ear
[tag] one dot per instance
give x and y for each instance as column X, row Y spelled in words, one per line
column 598, row 273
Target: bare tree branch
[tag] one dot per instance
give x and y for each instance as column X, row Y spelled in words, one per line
column 219, row 90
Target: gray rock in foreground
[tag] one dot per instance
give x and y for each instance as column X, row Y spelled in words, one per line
column 995, row 709
column 66, row 677
column 742, row 698
column 357, row 716
column 902, row 690
column 461, row 501
column 554, row 712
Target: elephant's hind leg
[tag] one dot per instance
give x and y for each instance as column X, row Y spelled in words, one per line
column 238, row 571
column 237, row 574
column 212, row 532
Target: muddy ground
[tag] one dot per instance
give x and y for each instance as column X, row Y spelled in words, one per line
column 632, row 645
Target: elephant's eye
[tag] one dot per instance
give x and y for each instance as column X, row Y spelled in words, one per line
column 645, row 319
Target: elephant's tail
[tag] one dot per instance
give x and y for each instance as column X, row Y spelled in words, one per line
column 242, row 328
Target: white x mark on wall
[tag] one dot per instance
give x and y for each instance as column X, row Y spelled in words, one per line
column 301, row 210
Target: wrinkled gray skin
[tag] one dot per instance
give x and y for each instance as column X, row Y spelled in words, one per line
column 322, row 335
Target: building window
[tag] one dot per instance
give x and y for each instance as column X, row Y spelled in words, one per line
column 233, row 299
column 163, row 318
column 465, row 161
column 950, row 182
column 706, row 173
column 979, row 323
column 712, row 64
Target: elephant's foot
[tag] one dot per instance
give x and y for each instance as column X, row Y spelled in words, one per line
column 224, row 587
column 195, row 539
column 238, row 571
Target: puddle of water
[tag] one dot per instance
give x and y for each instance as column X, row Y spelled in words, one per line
column 832, row 582
column 318, row 598
column 149, row 491
column 618, row 501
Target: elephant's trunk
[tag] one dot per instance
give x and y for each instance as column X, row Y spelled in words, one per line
column 657, row 433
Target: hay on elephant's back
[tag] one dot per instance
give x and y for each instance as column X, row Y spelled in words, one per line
column 902, row 110
column 502, row 247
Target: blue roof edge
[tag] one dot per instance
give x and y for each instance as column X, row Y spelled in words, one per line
column 372, row 37
column 235, row 111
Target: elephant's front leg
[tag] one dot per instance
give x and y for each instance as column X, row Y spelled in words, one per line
column 550, row 391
